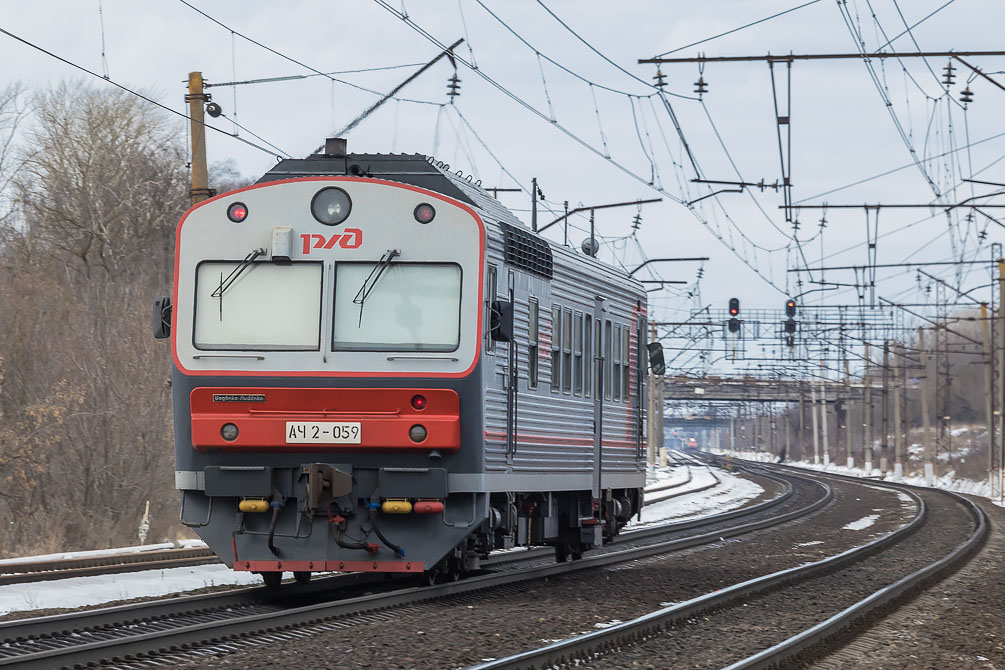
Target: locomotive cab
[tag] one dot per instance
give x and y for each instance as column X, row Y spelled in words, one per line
column 340, row 356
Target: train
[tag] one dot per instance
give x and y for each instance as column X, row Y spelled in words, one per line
column 377, row 367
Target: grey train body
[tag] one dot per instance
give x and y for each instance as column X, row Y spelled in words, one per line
column 551, row 441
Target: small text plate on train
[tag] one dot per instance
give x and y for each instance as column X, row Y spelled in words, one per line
column 323, row 432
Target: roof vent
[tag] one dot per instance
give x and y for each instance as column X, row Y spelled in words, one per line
column 335, row 147
column 527, row 252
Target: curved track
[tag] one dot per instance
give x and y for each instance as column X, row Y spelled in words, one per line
column 782, row 598
column 155, row 628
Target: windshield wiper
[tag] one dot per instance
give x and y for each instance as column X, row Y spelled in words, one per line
column 236, row 272
column 227, row 282
column 371, row 280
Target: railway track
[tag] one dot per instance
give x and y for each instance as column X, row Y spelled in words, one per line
column 104, row 564
column 243, row 617
column 775, row 595
column 21, row 572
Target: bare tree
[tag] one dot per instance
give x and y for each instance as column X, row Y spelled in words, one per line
column 86, row 430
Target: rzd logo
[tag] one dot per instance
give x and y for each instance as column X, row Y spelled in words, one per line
column 350, row 239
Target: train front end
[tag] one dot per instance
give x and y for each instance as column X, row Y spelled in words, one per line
column 326, row 334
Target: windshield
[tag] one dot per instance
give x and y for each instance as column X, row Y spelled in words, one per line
column 265, row 307
column 414, row 307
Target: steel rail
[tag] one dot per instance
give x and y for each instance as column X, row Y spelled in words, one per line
column 789, row 649
column 677, row 494
column 573, row 650
column 671, row 485
column 63, row 568
column 589, row 645
column 124, row 615
column 216, row 632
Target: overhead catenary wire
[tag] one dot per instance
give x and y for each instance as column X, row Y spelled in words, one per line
column 131, row 91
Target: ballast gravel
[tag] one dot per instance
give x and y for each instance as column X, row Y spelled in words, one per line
column 462, row 631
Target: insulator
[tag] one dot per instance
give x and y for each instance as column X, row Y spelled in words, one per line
column 966, row 95
column 949, row 74
column 660, row 81
column 453, row 86
column 701, row 86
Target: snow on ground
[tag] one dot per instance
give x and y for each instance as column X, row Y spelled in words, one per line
column 862, row 523
column 98, row 589
column 732, row 492
column 82, row 591
column 947, row 481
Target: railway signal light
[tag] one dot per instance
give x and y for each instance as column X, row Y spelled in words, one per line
column 790, row 308
column 790, row 326
column 734, row 307
column 734, row 325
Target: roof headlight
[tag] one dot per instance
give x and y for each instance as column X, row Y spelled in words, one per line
column 424, row 213
column 331, row 206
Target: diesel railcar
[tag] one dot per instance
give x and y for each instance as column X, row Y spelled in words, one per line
column 377, row 367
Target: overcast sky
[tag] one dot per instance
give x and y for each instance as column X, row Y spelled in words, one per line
column 841, row 127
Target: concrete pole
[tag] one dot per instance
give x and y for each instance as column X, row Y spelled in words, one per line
column 788, row 435
column 660, row 387
column 884, row 451
column 926, row 430
column 651, row 407
column 651, row 421
column 197, row 100
column 898, row 435
column 802, row 420
column 989, row 383
column 1001, row 382
column 847, row 416
column 813, row 413
column 825, row 445
column 867, row 413
column 732, row 434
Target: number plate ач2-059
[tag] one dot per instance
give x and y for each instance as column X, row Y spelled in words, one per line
column 323, row 432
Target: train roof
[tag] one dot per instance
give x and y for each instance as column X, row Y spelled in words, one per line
column 415, row 170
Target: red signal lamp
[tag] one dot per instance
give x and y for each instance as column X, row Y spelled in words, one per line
column 419, row 402
column 424, row 213
column 237, row 212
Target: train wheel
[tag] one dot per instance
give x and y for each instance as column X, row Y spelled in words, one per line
column 272, row 579
column 430, row 577
column 302, row 577
column 561, row 552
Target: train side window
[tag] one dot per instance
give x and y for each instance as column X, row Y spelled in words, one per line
column 567, row 351
column 608, row 361
column 491, row 285
column 556, row 343
column 626, row 358
column 616, row 374
column 577, row 367
column 587, row 356
column 533, row 335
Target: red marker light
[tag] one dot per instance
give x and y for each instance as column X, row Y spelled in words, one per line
column 424, row 213
column 237, row 212
column 419, row 402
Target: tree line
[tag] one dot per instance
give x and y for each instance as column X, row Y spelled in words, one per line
column 92, row 185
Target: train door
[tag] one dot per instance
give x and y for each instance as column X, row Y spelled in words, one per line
column 598, row 395
column 512, row 378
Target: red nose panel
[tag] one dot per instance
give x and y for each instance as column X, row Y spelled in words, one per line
column 302, row 419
